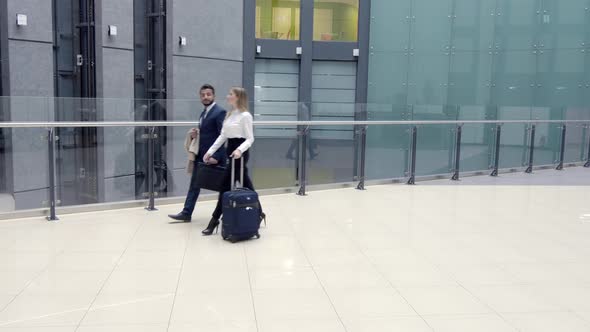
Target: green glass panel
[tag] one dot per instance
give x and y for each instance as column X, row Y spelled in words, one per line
column 473, row 25
column 428, row 78
column 470, row 78
column 564, row 24
column 514, row 79
column 390, row 25
column 516, row 23
column 388, row 73
column 431, row 25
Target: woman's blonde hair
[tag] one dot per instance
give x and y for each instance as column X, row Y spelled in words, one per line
column 242, row 99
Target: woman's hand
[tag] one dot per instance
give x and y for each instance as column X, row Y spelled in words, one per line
column 237, row 154
column 194, row 132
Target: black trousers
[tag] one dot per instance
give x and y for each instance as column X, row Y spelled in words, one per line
column 232, row 144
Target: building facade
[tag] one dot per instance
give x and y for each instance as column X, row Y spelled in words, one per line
column 113, row 60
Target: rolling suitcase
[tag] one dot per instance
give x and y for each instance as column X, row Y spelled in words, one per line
column 241, row 210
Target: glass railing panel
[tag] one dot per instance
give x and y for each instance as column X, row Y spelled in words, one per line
column 477, row 140
column 332, row 149
column 387, row 145
column 434, row 148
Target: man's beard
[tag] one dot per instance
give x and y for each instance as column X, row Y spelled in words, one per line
column 207, row 103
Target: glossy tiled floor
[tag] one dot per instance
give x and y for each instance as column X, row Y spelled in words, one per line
column 392, row 258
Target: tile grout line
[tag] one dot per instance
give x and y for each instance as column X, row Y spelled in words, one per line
column 251, row 289
column 188, row 241
column 110, row 274
column 318, row 278
column 43, row 270
column 368, row 259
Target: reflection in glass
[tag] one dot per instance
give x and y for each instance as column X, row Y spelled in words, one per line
column 335, row 20
column 277, row 19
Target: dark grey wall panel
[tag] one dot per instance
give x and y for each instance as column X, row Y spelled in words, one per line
column 39, row 20
column 31, row 69
column 213, row 28
column 117, row 75
column 120, row 14
column 116, row 72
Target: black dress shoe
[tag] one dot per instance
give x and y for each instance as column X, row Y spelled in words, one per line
column 180, row 217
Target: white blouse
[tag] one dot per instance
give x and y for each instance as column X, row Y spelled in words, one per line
column 237, row 125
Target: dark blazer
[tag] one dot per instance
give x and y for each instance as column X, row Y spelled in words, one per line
column 210, row 129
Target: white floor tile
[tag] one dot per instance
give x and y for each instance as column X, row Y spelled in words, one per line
column 447, row 300
column 354, row 276
column 221, row 278
column 369, row 303
column 406, row 324
column 548, row 321
column 139, row 309
column 298, row 278
column 213, row 307
column 123, row 328
column 45, row 310
column 222, row 326
column 304, row 304
column 141, row 281
column 479, row 323
column 68, row 282
column 515, row 299
column 302, row 325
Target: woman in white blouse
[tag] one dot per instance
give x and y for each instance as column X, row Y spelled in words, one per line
column 238, row 132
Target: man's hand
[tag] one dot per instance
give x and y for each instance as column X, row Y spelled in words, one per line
column 213, row 161
column 206, row 158
column 194, row 132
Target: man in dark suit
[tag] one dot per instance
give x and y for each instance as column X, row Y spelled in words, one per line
column 211, row 122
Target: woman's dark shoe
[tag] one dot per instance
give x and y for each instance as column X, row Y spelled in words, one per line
column 263, row 217
column 213, row 225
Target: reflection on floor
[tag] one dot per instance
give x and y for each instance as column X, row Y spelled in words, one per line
column 391, row 258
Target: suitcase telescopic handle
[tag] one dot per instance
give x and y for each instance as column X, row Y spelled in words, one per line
column 233, row 174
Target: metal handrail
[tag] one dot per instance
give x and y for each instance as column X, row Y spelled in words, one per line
column 100, row 124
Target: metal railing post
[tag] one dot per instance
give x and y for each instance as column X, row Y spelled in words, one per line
column 362, row 157
column 412, row 170
column 150, row 176
column 496, row 164
column 587, row 164
column 457, row 163
column 529, row 168
column 561, row 148
column 52, row 174
column 303, row 133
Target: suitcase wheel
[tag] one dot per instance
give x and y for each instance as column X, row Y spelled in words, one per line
column 233, row 239
column 257, row 235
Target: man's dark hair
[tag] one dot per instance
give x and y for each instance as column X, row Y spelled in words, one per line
column 207, row 87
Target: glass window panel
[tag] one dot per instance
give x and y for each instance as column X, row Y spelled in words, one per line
column 276, row 89
column 333, row 98
column 470, row 78
column 390, row 25
column 388, row 78
column 516, row 24
column 514, row 75
column 428, row 79
column 564, row 24
column 335, row 20
column 431, row 25
column 473, row 24
column 278, row 19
